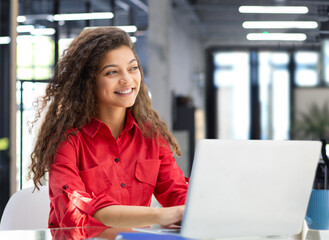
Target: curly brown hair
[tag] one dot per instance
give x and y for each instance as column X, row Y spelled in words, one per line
column 72, row 99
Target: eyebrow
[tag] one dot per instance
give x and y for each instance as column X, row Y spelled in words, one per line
column 114, row 65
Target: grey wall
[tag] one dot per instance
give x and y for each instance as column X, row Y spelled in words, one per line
column 175, row 58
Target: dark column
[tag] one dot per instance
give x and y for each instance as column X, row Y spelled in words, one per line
column 183, row 119
column 292, row 70
column 56, row 10
column 210, row 98
column 88, row 10
column 254, row 95
column 4, row 105
column 113, row 9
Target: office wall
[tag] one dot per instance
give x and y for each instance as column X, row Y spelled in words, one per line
column 304, row 98
column 186, row 58
column 310, row 122
column 175, row 58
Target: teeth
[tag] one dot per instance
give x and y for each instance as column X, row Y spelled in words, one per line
column 125, row 91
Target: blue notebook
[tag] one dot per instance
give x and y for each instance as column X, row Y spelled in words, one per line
column 148, row 236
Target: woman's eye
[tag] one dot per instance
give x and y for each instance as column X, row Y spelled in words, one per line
column 134, row 68
column 110, row 72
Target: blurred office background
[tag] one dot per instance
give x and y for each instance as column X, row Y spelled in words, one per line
column 215, row 68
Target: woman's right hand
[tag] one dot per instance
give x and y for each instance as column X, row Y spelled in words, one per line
column 170, row 215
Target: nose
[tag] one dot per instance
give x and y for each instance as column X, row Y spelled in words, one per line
column 125, row 78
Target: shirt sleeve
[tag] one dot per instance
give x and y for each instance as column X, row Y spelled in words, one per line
column 71, row 205
column 171, row 188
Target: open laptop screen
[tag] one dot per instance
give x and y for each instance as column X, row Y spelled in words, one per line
column 249, row 187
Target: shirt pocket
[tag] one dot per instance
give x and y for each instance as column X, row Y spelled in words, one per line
column 95, row 180
column 147, row 171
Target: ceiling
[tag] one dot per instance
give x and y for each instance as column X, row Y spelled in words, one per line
column 218, row 22
column 126, row 12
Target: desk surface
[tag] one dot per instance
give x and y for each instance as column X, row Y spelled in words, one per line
column 111, row 233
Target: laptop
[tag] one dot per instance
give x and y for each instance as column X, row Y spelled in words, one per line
column 247, row 188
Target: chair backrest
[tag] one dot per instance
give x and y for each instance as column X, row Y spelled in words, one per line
column 155, row 203
column 27, row 210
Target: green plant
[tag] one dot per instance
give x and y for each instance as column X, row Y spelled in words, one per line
column 312, row 125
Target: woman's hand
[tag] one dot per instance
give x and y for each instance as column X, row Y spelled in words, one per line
column 170, row 215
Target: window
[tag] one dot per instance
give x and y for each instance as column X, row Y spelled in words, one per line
column 274, row 95
column 27, row 92
column 35, row 61
column 326, row 60
column 232, row 81
column 35, row 57
column 306, row 74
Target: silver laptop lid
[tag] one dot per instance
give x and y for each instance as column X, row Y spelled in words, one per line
column 249, row 187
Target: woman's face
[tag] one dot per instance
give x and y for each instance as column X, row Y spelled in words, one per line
column 118, row 79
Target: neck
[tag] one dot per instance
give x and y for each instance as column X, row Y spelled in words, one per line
column 114, row 119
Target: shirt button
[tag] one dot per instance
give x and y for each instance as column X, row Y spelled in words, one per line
column 64, row 187
column 116, row 160
column 123, row 185
column 51, row 224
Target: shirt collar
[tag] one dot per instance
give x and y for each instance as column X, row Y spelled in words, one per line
column 94, row 125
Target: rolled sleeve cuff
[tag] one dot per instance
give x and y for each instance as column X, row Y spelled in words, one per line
column 88, row 204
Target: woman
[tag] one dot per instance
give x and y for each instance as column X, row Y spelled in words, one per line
column 105, row 148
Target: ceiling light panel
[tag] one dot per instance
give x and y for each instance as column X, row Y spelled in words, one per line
column 126, row 28
column 276, row 36
column 5, row 40
column 43, row 31
column 83, row 16
column 274, row 9
column 280, row 24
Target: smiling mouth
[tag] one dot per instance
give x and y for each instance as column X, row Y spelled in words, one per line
column 126, row 91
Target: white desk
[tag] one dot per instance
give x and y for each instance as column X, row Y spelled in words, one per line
column 111, row 233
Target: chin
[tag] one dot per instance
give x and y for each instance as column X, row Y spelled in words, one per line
column 127, row 105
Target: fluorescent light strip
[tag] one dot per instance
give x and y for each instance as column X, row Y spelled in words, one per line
column 280, row 24
column 43, row 31
column 83, row 16
column 24, row 28
column 128, row 28
column 276, row 36
column 274, row 9
column 5, row 40
column 133, row 39
column 21, row 19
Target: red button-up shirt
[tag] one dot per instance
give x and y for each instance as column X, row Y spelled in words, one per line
column 92, row 170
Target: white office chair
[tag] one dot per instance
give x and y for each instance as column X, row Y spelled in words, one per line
column 155, row 203
column 27, row 210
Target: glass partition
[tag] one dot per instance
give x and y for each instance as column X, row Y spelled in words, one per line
column 231, row 77
column 35, row 57
column 274, row 94
column 307, row 66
